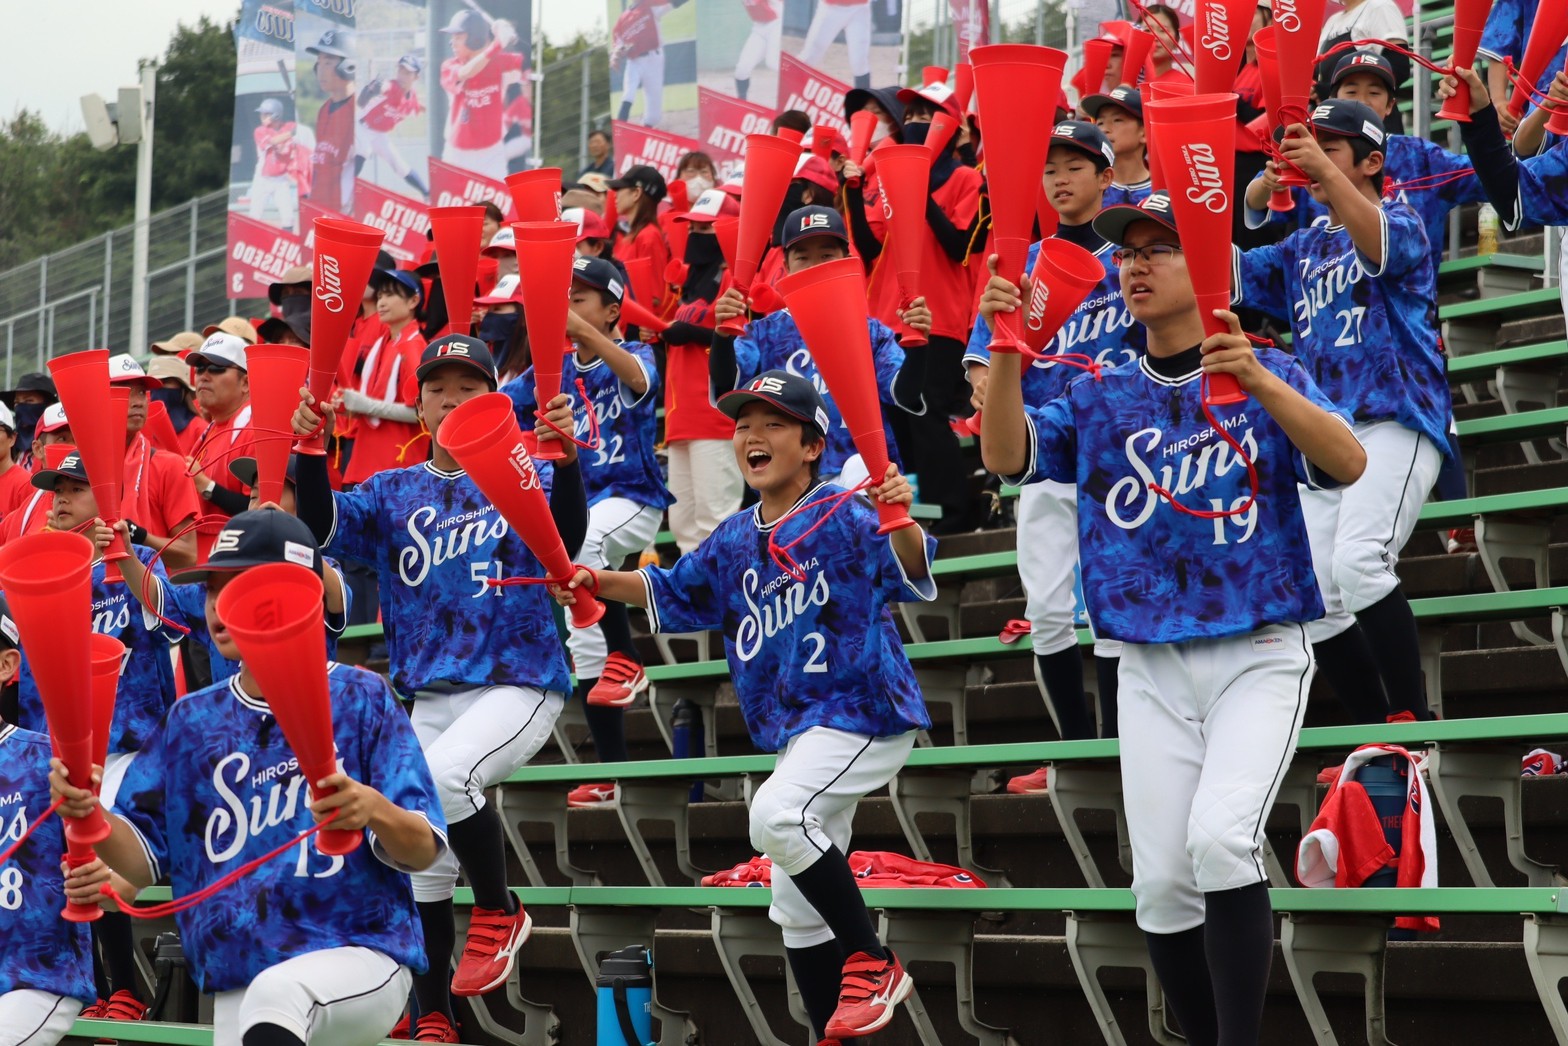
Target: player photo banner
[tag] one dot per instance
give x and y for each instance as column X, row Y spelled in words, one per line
column 402, row 218
column 813, row 92
column 643, row 145
column 725, row 122
column 259, row 254
column 971, row 25
column 267, row 22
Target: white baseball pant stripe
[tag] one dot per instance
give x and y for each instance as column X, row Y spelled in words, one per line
column 33, row 1018
column 1047, row 513
column 489, row 161
column 646, row 71
column 808, row 805
column 761, row 48
column 279, row 190
column 1357, row 532
column 1208, row 728
column 334, row 997
column 472, row 740
column 701, row 506
column 617, row 528
column 854, row 21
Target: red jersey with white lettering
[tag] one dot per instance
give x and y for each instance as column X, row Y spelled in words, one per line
column 388, row 374
column 477, row 101
column 334, row 151
column 393, row 107
column 636, row 31
column 275, row 157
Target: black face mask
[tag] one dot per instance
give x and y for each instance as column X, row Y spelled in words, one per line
column 915, row 133
column 27, row 415
column 173, row 401
column 702, row 249
column 497, row 327
column 794, row 200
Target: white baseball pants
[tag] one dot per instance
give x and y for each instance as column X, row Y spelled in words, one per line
column 761, row 48
column 334, row 997
column 1048, row 514
column 35, row 1018
column 646, row 71
column 617, row 528
column 854, row 21
column 377, row 143
column 701, row 504
column 279, row 191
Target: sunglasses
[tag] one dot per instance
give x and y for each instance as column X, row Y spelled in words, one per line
column 211, row 368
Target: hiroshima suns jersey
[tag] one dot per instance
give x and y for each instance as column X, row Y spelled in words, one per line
column 625, row 464
column 1543, row 186
column 1101, row 328
column 434, row 540
column 1151, row 573
column 42, row 951
column 218, row 785
column 773, row 342
column 1128, row 194
column 1367, row 334
column 825, row 652
column 146, row 674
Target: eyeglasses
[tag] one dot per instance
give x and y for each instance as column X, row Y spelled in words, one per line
column 1152, row 255
column 210, row 368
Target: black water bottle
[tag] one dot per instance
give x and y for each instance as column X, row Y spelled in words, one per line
column 688, row 739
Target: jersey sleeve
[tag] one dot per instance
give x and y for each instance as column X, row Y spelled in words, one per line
column 395, row 766
column 1543, row 186
column 685, row 597
column 177, row 495
column 1405, row 244
column 336, row 623
column 886, row 570
column 1297, row 377
column 748, row 355
column 1051, row 441
column 141, row 801
column 887, row 357
column 356, row 522
column 1465, row 187
column 157, row 595
column 1502, row 37
column 643, row 354
column 1260, row 279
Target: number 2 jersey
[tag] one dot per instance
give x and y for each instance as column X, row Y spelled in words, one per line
column 823, row 652
column 218, row 786
column 434, row 539
column 42, row 951
column 1154, row 574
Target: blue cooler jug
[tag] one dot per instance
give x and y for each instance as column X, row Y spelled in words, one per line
column 1387, row 782
column 625, row 990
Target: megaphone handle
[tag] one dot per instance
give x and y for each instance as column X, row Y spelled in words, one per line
column 77, row 855
column 1219, row 389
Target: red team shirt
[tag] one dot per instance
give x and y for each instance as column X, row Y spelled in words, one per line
column 392, row 108
column 477, row 101
column 649, row 243
column 947, row 286
column 275, row 158
column 157, row 493
column 380, row 444
column 334, row 151
column 16, row 483
column 636, row 32
column 688, row 413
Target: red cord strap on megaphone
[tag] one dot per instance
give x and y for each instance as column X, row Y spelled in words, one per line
column 571, row 437
column 198, row 462
column 1174, row 45
column 512, row 582
column 40, row 819
column 780, row 552
column 180, row 904
column 1252, row 469
column 1426, row 182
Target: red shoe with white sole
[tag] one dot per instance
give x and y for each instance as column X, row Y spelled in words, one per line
column 586, row 796
column 1029, row 784
column 435, row 1027
column 872, row 988
column 490, row 950
column 619, row 683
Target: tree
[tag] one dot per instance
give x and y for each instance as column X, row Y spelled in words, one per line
column 195, row 113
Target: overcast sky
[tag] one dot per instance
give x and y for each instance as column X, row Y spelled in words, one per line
column 98, row 42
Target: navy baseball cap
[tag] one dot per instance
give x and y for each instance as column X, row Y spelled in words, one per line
column 1086, row 138
column 469, row 23
column 599, row 274
column 412, row 63
column 457, row 348
column 70, row 467
column 337, row 43
column 1365, row 62
column 253, row 539
column 643, row 177
column 1123, row 97
column 1348, row 119
column 404, row 279
column 790, row 393
column 805, row 222
column 244, row 470
column 1112, row 223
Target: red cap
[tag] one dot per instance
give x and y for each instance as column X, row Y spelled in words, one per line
column 589, row 225
column 712, row 204
column 817, row 171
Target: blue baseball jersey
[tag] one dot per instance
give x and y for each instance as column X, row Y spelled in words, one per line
column 625, row 464
column 42, row 951
column 1100, row 328
column 146, row 674
column 1129, row 194
column 1151, row 573
column 218, row 785
column 825, row 652
column 1543, row 186
column 773, row 342
column 434, row 539
column 1407, row 160
column 1507, row 32
column 1366, row 333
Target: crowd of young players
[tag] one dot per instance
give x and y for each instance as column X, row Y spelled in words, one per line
column 1204, row 651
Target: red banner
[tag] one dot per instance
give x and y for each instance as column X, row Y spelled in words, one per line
column 636, row 144
column 971, row 25
column 814, row 93
column 402, row 219
column 258, row 255
column 454, row 186
column 725, row 122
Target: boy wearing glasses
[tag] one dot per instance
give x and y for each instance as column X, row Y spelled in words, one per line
column 223, row 393
column 1216, row 667
column 1360, row 295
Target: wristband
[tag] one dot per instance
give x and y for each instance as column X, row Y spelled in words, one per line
column 138, row 533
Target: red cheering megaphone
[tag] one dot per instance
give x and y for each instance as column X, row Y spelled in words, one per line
column 1015, row 161
column 276, row 374
column 862, row 126
column 536, row 194
column 274, row 614
column 1063, row 275
column 1546, row 39
column 1170, row 88
column 943, row 127
column 345, row 256
column 635, row 314
column 108, row 656
column 160, row 428
column 964, row 85
column 457, row 232
column 905, row 172
column 545, row 251
column 1469, row 24
column 1196, row 139
column 1135, row 55
column 1096, row 60
column 97, row 414
column 727, row 231
column 483, row 436
column 1280, row 200
column 770, row 164
column 1220, row 31
column 828, row 304
column 1297, row 25
column 639, row 273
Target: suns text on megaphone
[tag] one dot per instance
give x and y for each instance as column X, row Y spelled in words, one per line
column 1208, row 188
column 527, row 475
column 1216, row 30
column 329, row 283
column 1286, row 16
column 1038, row 300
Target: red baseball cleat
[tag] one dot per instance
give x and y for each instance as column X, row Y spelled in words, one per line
column 1462, row 541
column 871, row 989
column 490, row 950
column 434, row 1027
column 1029, row 784
column 584, row 796
column 93, row 1011
column 123, row 1006
column 401, row 1029
column 1015, row 629
column 619, row 684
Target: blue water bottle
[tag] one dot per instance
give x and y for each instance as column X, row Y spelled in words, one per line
column 1386, row 782
column 687, row 738
column 625, row 991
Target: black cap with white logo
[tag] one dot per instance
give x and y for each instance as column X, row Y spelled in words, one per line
column 70, row 467
column 1123, row 97
column 1113, row 222
column 599, row 274
column 253, row 539
column 805, row 222
column 790, row 393
column 457, row 348
column 1365, row 62
column 1087, row 139
column 1346, row 118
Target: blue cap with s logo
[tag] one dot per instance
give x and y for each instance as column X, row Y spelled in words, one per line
column 790, row 393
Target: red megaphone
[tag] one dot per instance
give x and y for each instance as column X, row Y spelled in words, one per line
column 862, row 126
column 1297, row 25
column 274, row 614
column 822, row 140
column 1063, row 275
column 1015, row 162
column 635, row 314
column 770, row 164
column 1220, row 31
column 545, row 251
column 1196, row 139
column 345, row 255
column 964, row 85
column 457, row 232
column 536, row 194
column 828, row 304
column 47, row 580
column 1096, row 60
column 905, row 172
column 483, row 436
column 1169, row 88
column 159, row 428
column 1280, row 200
column 727, row 231
column 107, row 654
column 276, row 374
column 943, row 127
column 1469, row 23
column 1546, row 39
column 1140, row 44
column 639, row 273
column 97, row 414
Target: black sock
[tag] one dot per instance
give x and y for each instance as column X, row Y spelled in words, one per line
column 626, row 109
column 829, row 887
column 1062, row 674
column 617, row 626
column 608, row 729
column 270, row 1035
column 1347, row 663
column 413, row 178
column 433, row 988
column 1183, row 970
column 819, row 972
column 1105, row 673
column 741, row 87
column 480, row 847
column 112, row 934
column 1396, row 646
column 1238, row 936
column 863, row 82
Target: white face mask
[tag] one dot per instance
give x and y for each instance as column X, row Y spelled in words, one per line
column 697, row 184
column 884, row 130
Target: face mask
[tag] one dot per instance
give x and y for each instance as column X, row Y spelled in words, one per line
column 702, row 249
column 915, row 133
column 696, row 185
column 497, row 327
column 883, row 130
column 27, row 415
